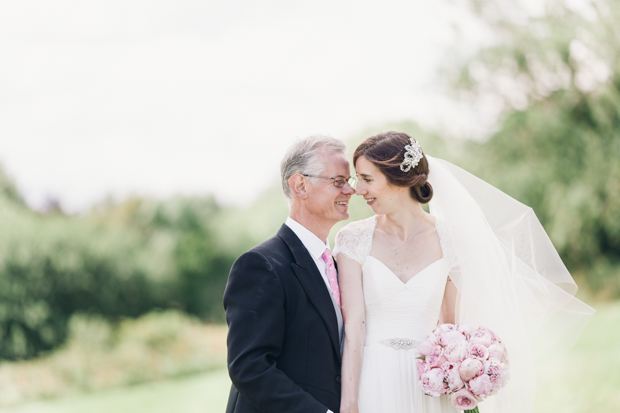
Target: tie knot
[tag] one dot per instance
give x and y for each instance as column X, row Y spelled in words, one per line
column 327, row 256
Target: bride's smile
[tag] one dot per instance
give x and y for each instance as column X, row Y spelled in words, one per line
column 374, row 187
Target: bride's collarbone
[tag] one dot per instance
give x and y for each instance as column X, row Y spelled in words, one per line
column 418, row 253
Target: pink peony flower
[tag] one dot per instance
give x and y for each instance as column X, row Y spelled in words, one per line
column 481, row 385
column 446, row 327
column 436, row 358
column 447, row 366
column 427, row 346
column 432, row 382
column 497, row 351
column 452, row 376
column 439, row 361
column 470, row 368
column 478, row 351
column 438, row 335
column 422, row 367
column 497, row 372
column 466, row 329
column 464, row 400
column 481, row 336
column 452, row 337
column 456, row 351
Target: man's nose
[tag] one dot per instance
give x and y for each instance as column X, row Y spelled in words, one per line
column 348, row 189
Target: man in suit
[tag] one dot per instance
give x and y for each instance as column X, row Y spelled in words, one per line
column 282, row 298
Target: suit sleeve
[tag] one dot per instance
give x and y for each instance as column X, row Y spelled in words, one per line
column 254, row 302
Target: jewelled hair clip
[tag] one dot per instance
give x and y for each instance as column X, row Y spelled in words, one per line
column 413, row 155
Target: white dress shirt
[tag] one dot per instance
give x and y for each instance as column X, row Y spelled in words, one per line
column 314, row 245
column 316, row 248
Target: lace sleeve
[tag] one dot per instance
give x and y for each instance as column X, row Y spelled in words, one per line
column 355, row 239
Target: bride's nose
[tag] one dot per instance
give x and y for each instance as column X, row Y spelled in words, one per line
column 360, row 190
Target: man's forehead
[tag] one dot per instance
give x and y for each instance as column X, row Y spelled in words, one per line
column 336, row 164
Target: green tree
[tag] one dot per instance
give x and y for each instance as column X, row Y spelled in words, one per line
column 185, row 230
column 555, row 77
column 52, row 266
column 8, row 189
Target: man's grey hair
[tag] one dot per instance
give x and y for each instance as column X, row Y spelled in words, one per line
column 304, row 158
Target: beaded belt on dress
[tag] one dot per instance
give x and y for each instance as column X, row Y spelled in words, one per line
column 400, row 343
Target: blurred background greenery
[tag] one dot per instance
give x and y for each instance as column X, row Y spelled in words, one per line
column 121, row 305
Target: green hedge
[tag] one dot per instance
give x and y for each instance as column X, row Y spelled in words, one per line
column 120, row 260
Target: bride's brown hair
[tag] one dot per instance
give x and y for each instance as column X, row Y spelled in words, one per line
column 387, row 152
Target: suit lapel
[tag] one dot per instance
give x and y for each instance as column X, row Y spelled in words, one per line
column 312, row 282
column 336, row 267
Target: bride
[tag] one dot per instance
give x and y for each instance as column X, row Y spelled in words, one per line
column 479, row 257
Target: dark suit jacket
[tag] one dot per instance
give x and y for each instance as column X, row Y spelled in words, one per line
column 283, row 344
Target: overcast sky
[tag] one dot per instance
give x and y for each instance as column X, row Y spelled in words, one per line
column 196, row 97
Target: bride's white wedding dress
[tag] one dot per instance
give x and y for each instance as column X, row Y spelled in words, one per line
column 398, row 317
column 509, row 278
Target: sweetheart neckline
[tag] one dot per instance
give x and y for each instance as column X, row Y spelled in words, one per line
column 404, row 283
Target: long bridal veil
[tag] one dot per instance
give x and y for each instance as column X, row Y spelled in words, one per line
column 510, row 279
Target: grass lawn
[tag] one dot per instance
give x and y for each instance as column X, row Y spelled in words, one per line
column 589, row 381
column 205, row 393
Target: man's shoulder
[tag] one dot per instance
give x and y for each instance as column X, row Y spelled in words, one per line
column 262, row 268
column 273, row 246
column 274, row 250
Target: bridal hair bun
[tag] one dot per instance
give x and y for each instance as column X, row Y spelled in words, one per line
column 401, row 160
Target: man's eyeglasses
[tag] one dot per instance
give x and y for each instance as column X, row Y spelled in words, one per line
column 338, row 181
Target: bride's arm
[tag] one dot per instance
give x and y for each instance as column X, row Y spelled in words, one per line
column 448, row 306
column 354, row 316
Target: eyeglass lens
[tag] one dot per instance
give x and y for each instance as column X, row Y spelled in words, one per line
column 339, row 182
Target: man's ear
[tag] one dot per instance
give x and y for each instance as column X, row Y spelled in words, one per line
column 297, row 183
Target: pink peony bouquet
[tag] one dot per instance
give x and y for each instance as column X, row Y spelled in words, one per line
column 463, row 362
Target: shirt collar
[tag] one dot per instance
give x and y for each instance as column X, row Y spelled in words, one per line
column 313, row 244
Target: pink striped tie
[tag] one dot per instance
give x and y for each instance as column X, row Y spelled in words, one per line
column 331, row 274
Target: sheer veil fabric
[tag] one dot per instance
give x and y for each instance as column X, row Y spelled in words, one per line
column 509, row 278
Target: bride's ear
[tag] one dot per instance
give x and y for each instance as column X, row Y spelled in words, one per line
column 297, row 183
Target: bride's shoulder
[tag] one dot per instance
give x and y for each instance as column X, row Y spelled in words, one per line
column 358, row 227
column 443, row 228
column 445, row 234
column 354, row 239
